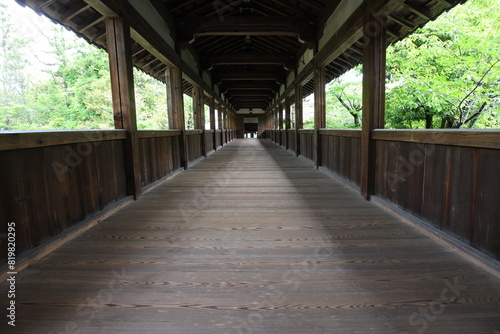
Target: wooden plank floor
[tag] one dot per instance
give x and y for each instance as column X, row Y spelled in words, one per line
column 254, row 240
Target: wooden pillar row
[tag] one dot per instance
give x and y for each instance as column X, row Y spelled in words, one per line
column 281, row 121
column 288, row 107
column 319, row 111
column 224, row 124
column 374, row 73
column 211, row 105
column 219, row 122
column 123, row 96
column 199, row 115
column 175, row 106
column 299, row 118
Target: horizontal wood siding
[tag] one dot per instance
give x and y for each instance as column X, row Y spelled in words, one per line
column 454, row 188
column 45, row 190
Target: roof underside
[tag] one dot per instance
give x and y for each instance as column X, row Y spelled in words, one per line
column 247, row 47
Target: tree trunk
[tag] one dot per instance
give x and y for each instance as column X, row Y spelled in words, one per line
column 356, row 119
column 428, row 121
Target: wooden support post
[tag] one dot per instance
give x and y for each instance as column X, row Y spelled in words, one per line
column 374, row 72
column 299, row 118
column 199, row 115
column 122, row 88
column 288, row 106
column 220, row 124
column 224, row 125
column 173, row 78
column 280, row 123
column 319, row 111
column 275, row 124
column 211, row 105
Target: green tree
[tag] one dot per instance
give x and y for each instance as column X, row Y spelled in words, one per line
column 344, row 99
column 13, row 79
column 446, row 74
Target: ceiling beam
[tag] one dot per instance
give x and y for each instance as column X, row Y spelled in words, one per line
column 298, row 27
column 249, row 59
column 253, row 85
column 419, row 10
column 256, row 93
column 250, row 75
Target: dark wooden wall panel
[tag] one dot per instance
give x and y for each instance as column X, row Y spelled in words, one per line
column 433, row 187
column 291, row 140
column 459, row 208
column 341, row 154
column 486, row 234
column 194, row 145
column 46, row 190
column 355, row 160
column 454, row 188
column 306, row 145
column 159, row 157
column 209, row 141
column 218, row 138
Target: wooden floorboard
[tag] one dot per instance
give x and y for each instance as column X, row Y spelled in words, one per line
column 253, row 240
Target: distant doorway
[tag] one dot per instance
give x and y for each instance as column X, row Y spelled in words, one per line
column 251, row 127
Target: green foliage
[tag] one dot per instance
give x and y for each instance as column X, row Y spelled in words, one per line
column 151, row 102
column 446, row 74
column 344, row 100
column 75, row 92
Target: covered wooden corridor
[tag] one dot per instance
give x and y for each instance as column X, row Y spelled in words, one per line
column 254, row 240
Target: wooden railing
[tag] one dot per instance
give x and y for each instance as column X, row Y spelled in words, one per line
column 159, row 154
column 194, row 144
column 209, row 141
column 306, row 143
column 282, row 137
column 224, row 136
column 53, row 180
column 341, row 152
column 447, row 178
column 218, row 138
column 291, row 140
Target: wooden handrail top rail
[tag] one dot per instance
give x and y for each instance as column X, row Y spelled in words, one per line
column 351, row 133
column 143, row 134
column 194, row 132
column 16, row 140
column 453, row 137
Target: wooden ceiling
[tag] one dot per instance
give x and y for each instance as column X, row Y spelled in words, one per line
column 247, row 47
